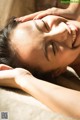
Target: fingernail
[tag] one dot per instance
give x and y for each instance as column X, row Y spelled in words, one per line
column 34, row 19
column 17, row 19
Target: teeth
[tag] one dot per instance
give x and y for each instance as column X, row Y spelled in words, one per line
column 73, row 32
column 74, row 35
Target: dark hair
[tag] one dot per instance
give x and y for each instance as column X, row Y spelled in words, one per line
column 7, row 53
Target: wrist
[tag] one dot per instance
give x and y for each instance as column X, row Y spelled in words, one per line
column 22, row 77
column 70, row 14
column 54, row 10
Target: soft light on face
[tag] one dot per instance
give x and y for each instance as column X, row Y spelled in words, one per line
column 44, row 47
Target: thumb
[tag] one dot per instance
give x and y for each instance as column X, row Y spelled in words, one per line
column 5, row 67
column 41, row 15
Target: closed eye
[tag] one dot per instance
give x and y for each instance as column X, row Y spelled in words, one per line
column 41, row 29
column 46, row 25
column 53, row 46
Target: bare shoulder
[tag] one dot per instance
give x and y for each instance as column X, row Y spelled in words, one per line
column 69, row 79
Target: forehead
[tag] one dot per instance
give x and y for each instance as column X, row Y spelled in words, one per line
column 26, row 30
column 26, row 36
column 28, row 43
column 23, row 27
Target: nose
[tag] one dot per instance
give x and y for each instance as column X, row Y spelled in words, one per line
column 60, row 34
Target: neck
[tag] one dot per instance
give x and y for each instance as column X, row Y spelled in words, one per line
column 77, row 42
column 77, row 61
column 76, row 65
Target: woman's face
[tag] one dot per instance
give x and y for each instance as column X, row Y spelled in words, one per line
column 48, row 43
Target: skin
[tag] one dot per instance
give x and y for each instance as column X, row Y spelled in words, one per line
column 38, row 51
column 70, row 11
column 61, row 99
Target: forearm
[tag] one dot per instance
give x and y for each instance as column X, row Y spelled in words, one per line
column 71, row 12
column 57, row 98
column 74, row 9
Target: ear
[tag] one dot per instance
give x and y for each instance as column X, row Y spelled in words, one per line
column 59, row 71
column 5, row 67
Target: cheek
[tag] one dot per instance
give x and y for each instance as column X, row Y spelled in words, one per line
column 67, row 57
column 25, row 53
column 37, row 60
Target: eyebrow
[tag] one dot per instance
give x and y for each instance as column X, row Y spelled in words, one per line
column 45, row 25
column 36, row 25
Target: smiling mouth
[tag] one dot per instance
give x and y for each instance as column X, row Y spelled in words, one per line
column 74, row 35
column 73, row 30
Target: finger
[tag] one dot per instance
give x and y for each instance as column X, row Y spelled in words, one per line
column 41, row 15
column 5, row 67
column 27, row 17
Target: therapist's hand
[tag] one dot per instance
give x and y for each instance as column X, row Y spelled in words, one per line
column 28, row 17
column 52, row 11
column 41, row 14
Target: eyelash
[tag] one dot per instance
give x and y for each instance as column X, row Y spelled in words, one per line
column 53, row 47
column 46, row 25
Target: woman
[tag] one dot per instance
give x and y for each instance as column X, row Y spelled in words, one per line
column 42, row 46
column 49, row 38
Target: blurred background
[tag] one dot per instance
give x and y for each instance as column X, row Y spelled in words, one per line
column 9, row 8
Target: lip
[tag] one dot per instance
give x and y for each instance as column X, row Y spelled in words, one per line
column 73, row 29
column 68, row 28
